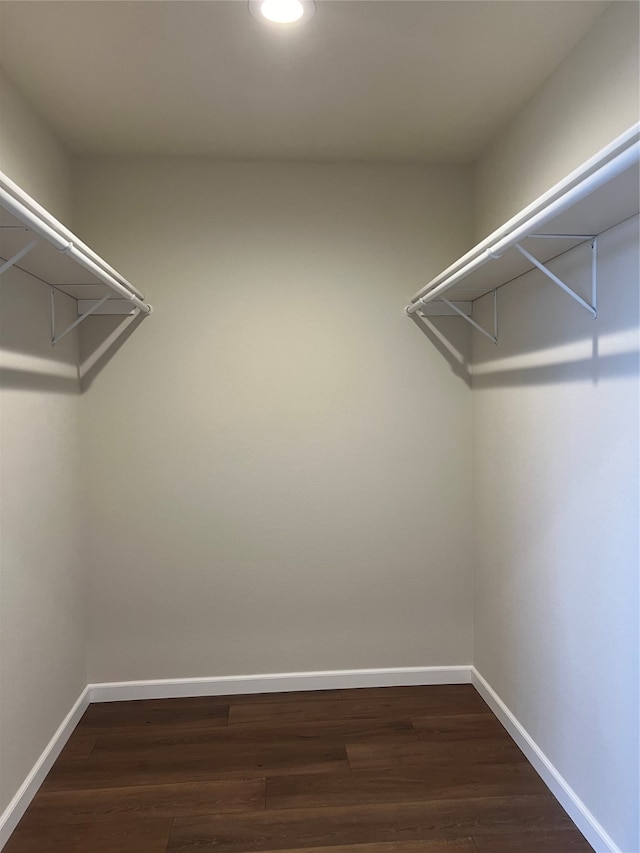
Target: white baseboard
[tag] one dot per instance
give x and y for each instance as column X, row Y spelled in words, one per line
column 27, row 791
column 563, row 792
column 284, row 682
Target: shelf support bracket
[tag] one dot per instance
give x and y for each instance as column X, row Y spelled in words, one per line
column 492, row 337
column 14, row 260
column 590, row 308
column 55, row 338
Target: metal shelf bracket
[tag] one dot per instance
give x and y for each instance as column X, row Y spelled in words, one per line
column 18, row 255
column 492, row 337
column 55, row 338
column 592, row 308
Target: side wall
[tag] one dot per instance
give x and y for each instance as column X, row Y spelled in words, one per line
column 31, row 155
column 42, row 599
column 556, row 524
column 260, row 498
column 556, row 452
column 589, row 100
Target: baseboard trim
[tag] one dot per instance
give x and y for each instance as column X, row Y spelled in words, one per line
column 27, row 791
column 595, row 834
column 284, row 682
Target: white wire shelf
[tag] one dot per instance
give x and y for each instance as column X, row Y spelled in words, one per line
column 600, row 194
column 32, row 240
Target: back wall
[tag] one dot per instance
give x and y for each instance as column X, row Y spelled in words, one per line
column 277, row 461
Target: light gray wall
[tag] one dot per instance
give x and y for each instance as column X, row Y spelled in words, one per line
column 42, row 590
column 31, row 155
column 556, row 522
column 278, row 463
column 589, row 100
column 555, row 412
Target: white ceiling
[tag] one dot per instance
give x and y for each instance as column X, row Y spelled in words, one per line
column 390, row 80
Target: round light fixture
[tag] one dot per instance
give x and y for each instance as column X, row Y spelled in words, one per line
column 282, row 11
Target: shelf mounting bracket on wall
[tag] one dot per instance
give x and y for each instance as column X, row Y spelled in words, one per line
column 492, row 337
column 55, row 338
column 461, row 309
column 18, row 255
column 592, row 308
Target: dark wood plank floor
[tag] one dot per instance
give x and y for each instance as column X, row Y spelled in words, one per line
column 389, row 770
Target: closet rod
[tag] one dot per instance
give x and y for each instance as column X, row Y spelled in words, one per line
column 32, row 204
column 43, row 228
column 603, row 167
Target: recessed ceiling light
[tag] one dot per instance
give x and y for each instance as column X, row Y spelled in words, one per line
column 282, row 11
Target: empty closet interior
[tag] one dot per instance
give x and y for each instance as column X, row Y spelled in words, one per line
column 238, row 455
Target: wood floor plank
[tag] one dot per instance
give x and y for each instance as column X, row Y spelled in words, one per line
column 453, row 694
column 564, row 841
column 459, row 727
column 78, row 746
column 185, row 799
column 384, row 756
column 403, row 786
column 426, row 704
column 197, row 763
column 205, row 711
column 118, row 836
column 444, row 819
column 354, row 731
column 464, row 845
column 285, row 696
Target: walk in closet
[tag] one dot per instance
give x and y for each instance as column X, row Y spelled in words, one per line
column 249, row 482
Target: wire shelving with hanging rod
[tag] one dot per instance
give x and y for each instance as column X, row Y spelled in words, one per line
column 601, row 193
column 34, row 241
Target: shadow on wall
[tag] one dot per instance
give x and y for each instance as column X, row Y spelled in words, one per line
column 22, row 371
column 29, row 362
column 30, row 380
column 551, row 363
column 594, row 369
column 27, row 359
column 513, row 371
column 109, row 334
column 544, row 337
column 444, row 343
